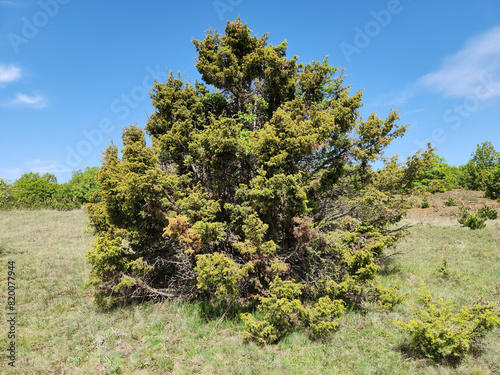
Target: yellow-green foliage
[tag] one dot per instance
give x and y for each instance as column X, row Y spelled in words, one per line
column 322, row 318
column 487, row 212
column 388, row 297
column 220, row 273
column 450, row 202
column 283, row 312
column 436, row 187
column 440, row 332
column 281, row 309
column 261, row 169
column 425, row 202
column 473, row 221
column 109, row 262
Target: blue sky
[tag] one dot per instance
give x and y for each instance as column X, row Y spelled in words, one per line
column 73, row 73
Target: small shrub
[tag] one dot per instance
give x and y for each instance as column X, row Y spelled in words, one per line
column 450, row 202
column 440, row 333
column 425, row 203
column 322, row 318
column 284, row 312
column 486, row 212
column 436, row 187
column 445, row 272
column 470, row 220
column 388, row 297
column 220, row 275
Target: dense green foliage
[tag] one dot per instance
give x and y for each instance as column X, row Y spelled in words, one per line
column 283, row 312
column 258, row 176
column 478, row 219
column 32, row 191
column 476, row 173
column 487, row 212
column 438, row 176
column 493, row 183
column 450, row 202
column 472, row 220
column 32, row 186
column 6, row 196
column 82, row 185
column 481, row 172
column 440, row 333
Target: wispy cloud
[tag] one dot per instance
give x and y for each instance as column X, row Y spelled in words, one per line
column 48, row 166
column 9, row 73
column 36, row 101
column 477, row 64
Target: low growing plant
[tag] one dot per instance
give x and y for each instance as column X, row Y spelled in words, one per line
column 486, row 212
column 284, row 312
column 425, row 203
column 436, row 187
column 473, row 221
column 450, row 202
column 446, row 273
column 439, row 332
column 388, row 297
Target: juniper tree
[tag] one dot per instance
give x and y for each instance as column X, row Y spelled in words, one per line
column 261, row 172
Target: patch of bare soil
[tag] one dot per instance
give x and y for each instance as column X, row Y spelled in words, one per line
column 441, row 215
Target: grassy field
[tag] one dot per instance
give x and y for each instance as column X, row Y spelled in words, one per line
column 59, row 331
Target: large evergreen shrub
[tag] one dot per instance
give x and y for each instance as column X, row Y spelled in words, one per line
column 258, row 176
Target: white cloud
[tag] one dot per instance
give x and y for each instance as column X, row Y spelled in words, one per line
column 48, row 166
column 9, row 73
column 36, row 101
column 472, row 71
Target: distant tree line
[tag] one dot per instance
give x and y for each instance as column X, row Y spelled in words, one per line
column 480, row 173
column 35, row 191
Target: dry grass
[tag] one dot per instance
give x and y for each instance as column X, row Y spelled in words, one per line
column 60, row 331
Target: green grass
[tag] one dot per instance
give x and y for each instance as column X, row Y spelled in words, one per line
column 59, row 331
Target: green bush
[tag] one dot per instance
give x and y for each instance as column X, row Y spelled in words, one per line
column 436, row 187
column 425, row 203
column 220, row 275
column 6, row 196
column 82, row 185
column 388, row 297
column 34, row 192
column 440, row 333
column 60, row 204
column 478, row 173
column 487, row 212
column 473, row 221
column 450, row 202
column 493, row 185
column 31, row 187
column 283, row 312
column 262, row 170
column 437, row 176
